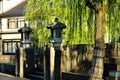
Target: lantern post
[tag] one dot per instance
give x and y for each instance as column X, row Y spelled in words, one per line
column 56, row 29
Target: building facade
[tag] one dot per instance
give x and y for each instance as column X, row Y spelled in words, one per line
column 11, row 19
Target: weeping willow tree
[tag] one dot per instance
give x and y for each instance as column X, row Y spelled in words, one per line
column 97, row 63
column 79, row 18
column 73, row 13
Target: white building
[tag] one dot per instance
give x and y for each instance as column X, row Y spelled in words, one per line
column 11, row 19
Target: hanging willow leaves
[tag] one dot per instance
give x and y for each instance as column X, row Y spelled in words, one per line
column 79, row 19
column 112, row 21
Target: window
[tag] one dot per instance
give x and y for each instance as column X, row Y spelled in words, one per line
column 20, row 22
column 14, row 23
column 9, row 46
column 11, row 23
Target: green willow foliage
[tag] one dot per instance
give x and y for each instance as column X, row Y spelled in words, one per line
column 112, row 20
column 79, row 19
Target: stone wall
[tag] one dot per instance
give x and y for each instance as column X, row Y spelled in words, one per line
column 7, row 59
column 8, row 62
column 76, row 58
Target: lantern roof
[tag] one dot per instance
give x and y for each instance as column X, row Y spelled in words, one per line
column 56, row 25
column 25, row 29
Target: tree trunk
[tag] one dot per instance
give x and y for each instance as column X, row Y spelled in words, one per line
column 99, row 27
column 96, row 71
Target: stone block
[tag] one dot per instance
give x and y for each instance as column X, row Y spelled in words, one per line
column 74, row 76
column 95, row 78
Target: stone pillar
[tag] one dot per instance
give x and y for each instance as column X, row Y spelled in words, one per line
column 56, row 37
column 49, row 65
column 44, row 57
column 52, row 60
column 58, row 64
column 21, row 74
column 97, row 65
column 25, row 61
column 46, row 62
column 17, row 62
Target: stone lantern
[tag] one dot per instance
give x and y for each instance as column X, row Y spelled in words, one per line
column 25, row 36
column 25, row 54
column 56, row 29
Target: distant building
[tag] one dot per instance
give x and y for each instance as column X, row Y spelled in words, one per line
column 11, row 19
